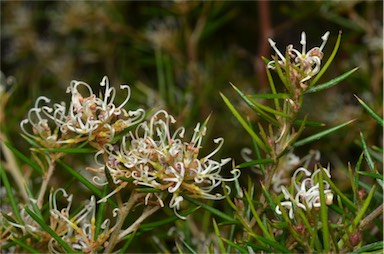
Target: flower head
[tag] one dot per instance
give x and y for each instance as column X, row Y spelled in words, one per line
column 152, row 156
column 88, row 117
column 78, row 230
column 302, row 65
column 307, row 192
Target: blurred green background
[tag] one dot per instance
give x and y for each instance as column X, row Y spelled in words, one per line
column 179, row 55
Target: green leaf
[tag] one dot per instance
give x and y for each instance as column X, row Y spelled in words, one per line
column 151, row 225
column 128, row 240
column 100, row 214
column 25, row 159
column 189, row 248
column 371, row 112
column 330, row 83
column 367, row 155
column 25, row 246
column 257, row 217
column 244, row 123
column 228, row 219
column 269, row 96
column 328, row 63
column 11, row 197
column 236, row 246
column 81, row 178
column 373, row 175
column 217, row 232
column 308, row 123
column 365, row 206
column 274, row 244
column 370, row 247
column 69, row 150
column 254, row 163
column 320, row 134
column 272, row 86
column 256, row 106
column 48, row 229
column 334, row 188
column 147, row 190
column 324, row 213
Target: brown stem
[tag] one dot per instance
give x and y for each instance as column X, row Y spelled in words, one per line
column 266, row 32
column 368, row 219
column 124, row 209
column 146, row 213
column 46, row 179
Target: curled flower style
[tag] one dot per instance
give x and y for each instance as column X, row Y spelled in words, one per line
column 307, row 192
column 303, row 65
column 153, row 156
column 88, row 117
column 289, row 163
column 77, row 230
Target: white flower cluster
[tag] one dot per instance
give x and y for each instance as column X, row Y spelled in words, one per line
column 152, row 156
column 88, row 117
column 305, row 65
column 307, row 192
column 77, row 230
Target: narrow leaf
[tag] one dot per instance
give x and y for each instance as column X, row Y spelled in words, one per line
column 308, row 123
column 257, row 217
column 48, row 229
column 328, row 63
column 320, row 134
column 330, row 83
column 23, row 158
column 373, row 175
column 244, row 123
column 69, row 150
column 255, row 106
column 371, row 112
column 217, row 232
column 224, row 216
column 236, row 246
column 11, row 197
column 25, row 246
column 365, row 206
column 81, row 178
column 348, row 202
column 367, row 154
column 269, row 96
column 151, row 225
column 254, row 163
column 370, row 247
column 324, row 214
column 128, row 241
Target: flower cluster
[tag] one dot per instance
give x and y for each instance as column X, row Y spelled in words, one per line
column 89, row 117
column 302, row 65
column 152, row 156
column 307, row 192
column 77, row 230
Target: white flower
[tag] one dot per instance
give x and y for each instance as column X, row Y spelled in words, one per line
column 308, row 63
column 307, row 193
column 154, row 156
column 88, row 117
column 78, row 229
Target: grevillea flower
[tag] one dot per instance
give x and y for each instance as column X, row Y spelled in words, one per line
column 303, row 65
column 307, row 192
column 77, row 230
column 88, row 117
column 152, row 156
